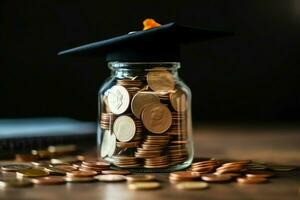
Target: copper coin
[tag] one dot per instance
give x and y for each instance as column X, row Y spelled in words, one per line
column 252, row 180
column 96, row 163
column 118, row 172
column 179, row 100
column 160, row 80
column 140, row 100
column 216, row 178
column 281, row 168
column 81, row 173
column 256, row 174
column 157, row 118
column 50, row 180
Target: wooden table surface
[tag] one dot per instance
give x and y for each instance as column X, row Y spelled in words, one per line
column 278, row 145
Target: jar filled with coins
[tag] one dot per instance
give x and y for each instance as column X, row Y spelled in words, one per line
column 145, row 117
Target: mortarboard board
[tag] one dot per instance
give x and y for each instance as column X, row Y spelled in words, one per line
column 160, row 44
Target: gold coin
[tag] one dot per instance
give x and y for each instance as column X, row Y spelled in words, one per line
column 192, row 185
column 157, row 118
column 179, row 100
column 160, row 80
column 118, row 99
column 144, row 185
column 110, row 178
column 124, row 128
column 31, row 173
column 140, row 100
column 14, row 182
column 140, row 178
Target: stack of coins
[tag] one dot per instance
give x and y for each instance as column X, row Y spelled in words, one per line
column 126, row 161
column 106, row 120
column 148, row 116
column 96, row 166
column 153, row 146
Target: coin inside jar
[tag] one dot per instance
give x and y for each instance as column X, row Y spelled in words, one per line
column 160, row 80
column 178, row 100
column 140, row 100
column 124, row 128
column 157, row 118
column 118, row 99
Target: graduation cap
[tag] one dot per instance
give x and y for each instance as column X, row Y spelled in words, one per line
column 159, row 44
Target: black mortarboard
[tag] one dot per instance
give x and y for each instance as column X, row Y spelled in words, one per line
column 160, row 44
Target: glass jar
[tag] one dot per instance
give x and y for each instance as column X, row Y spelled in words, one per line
column 145, row 122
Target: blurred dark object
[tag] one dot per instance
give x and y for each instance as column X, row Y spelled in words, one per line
column 253, row 76
column 23, row 135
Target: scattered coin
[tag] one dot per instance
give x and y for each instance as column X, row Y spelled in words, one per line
column 62, row 149
column 140, row 178
column 281, row 168
column 50, row 180
column 199, row 185
column 252, row 180
column 111, row 178
column 118, row 172
column 216, row 178
column 64, row 160
column 25, row 158
column 31, row 173
column 79, row 179
column 144, row 185
column 15, row 167
column 14, row 182
column 81, row 173
column 257, row 174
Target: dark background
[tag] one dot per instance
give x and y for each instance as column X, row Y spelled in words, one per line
column 253, row 76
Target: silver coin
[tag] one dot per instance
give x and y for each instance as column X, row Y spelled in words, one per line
column 118, row 99
column 105, row 145
column 112, row 145
column 124, row 128
column 15, row 167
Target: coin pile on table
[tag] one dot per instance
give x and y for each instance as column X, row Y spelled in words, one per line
column 201, row 174
column 148, row 117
